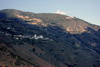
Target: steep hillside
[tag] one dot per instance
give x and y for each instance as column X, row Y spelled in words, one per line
column 47, row 40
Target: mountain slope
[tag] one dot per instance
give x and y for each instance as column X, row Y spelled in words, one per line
column 48, row 40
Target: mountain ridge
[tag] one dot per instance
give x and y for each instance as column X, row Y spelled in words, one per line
column 54, row 19
column 64, row 41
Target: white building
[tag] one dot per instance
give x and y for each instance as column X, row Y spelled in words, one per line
column 38, row 37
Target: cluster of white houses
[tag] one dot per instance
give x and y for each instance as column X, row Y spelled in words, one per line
column 31, row 37
column 27, row 36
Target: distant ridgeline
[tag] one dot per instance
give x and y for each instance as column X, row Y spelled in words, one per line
column 47, row 40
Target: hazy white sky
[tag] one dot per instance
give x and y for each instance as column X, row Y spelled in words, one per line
column 88, row 10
